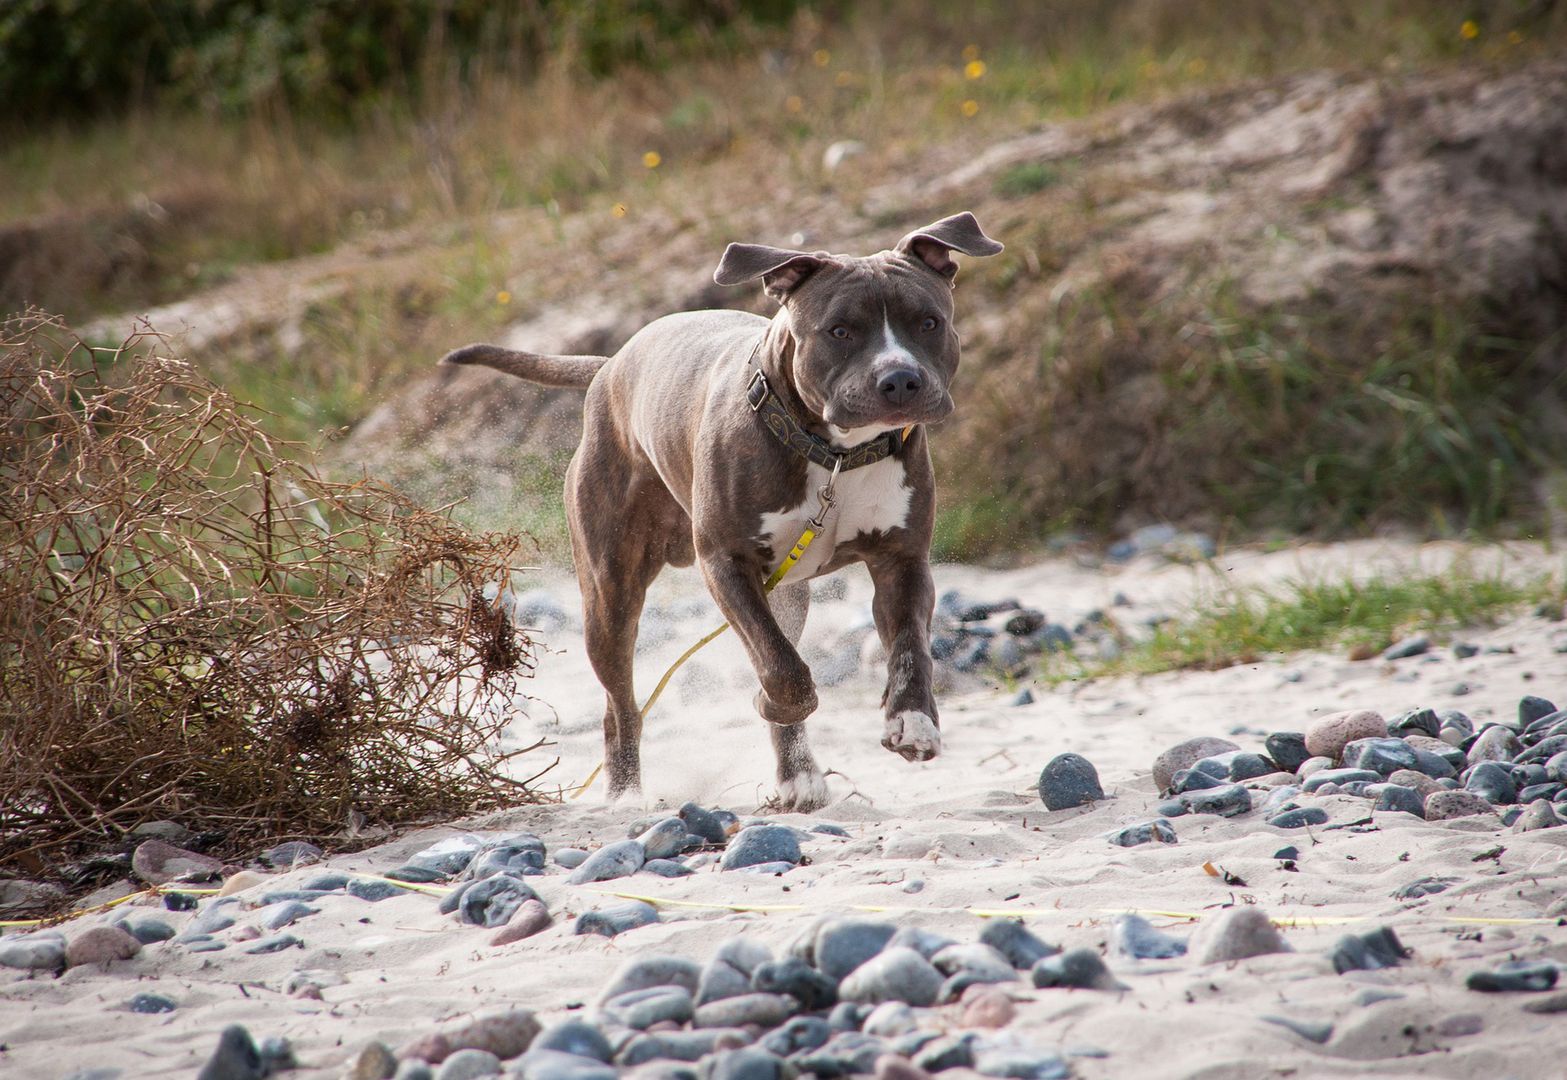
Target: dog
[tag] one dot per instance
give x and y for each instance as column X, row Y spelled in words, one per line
column 710, row 438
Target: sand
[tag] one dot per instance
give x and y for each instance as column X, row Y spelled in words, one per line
column 968, row 828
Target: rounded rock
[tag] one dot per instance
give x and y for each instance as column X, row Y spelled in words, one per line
column 761, row 844
column 616, row 919
column 764, row 1010
column 896, row 974
column 842, row 945
column 575, row 1037
column 1185, row 755
column 620, row 859
column 101, row 945
column 469, row 1065
column 1444, row 805
column 1068, row 781
column 1237, row 934
column 1328, row 736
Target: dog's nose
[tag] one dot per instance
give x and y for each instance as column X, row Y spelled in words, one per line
column 900, row 386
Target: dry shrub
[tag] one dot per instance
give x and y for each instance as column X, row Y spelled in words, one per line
column 194, row 627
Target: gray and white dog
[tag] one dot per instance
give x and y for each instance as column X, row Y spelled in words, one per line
column 708, row 437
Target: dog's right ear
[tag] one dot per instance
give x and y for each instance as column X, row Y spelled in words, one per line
column 781, row 270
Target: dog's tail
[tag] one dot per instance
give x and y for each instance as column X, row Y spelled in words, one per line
column 569, row 372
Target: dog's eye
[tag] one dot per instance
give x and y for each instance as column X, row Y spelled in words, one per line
column 839, row 332
column 930, row 323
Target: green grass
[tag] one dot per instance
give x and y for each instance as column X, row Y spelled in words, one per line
column 1361, row 617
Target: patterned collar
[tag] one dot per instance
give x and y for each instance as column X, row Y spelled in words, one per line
column 813, row 448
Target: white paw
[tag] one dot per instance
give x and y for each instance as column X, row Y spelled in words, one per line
column 804, row 791
column 913, row 735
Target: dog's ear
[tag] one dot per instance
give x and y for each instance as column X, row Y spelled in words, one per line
column 934, row 244
column 780, row 269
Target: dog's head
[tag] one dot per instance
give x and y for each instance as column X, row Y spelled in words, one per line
column 874, row 344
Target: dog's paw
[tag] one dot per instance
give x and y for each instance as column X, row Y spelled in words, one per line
column 803, row 792
column 912, row 735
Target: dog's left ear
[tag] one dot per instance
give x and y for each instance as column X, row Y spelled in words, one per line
column 780, row 269
column 933, row 245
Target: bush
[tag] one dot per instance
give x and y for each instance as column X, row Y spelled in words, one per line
column 194, row 628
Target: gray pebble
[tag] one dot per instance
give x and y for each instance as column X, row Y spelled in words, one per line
column 620, row 859
column 1068, row 781
column 1195, row 780
column 574, row 1037
column 1317, row 1031
column 1375, row 949
column 842, row 945
column 1407, row 647
column 794, row 977
column 152, row 1003
column 1016, row 942
column 286, row 913
column 1287, row 749
column 847, row 1016
column 413, row 1069
column 744, row 954
column 1426, row 886
column 665, row 839
column 468, row 1065
column 616, row 919
column 1135, row 936
column 1078, row 968
column 764, row 1010
column 1492, row 781
column 41, row 950
column 797, row 1034
column 896, row 974
column 666, row 868
column 676, row 1045
column 274, row 943
column 570, row 857
column 1399, row 799
column 1530, row 975
column 521, row 855
column 947, row 1052
column 704, row 823
column 1537, row 815
column 748, row 1063
column 1415, row 722
column 641, row 1009
column 374, row 890
column 1531, row 708
column 845, row 1054
column 761, row 844
column 642, row 972
column 1158, row 831
column 1299, row 819
column 889, row 1020
column 1339, row 776
column 925, row 942
column 720, row 980
column 283, row 896
column 1020, row 1064
column 491, row 901
column 1381, row 756
column 554, row 1065
column 1024, row 696
column 236, row 1057
column 330, row 881
column 204, row 943
column 1227, row 801
column 1495, row 743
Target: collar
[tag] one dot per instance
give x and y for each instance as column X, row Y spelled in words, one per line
column 813, row 448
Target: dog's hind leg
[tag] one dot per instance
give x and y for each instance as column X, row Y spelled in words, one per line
column 801, row 785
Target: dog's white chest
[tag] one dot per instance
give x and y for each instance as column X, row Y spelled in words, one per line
column 871, row 498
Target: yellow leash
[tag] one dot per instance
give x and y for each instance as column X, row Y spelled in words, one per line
column 813, row 526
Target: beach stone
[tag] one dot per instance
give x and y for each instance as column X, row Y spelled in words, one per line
column 203, row 943
column 575, row 1037
column 898, row 1067
column 1311, row 766
column 748, row 1063
column 947, row 1052
column 842, row 945
column 1236, row 934
column 101, row 945
column 704, row 823
column 1455, row 722
column 1444, row 805
column 1495, row 743
column 1395, row 798
column 158, row 863
column 285, row 913
column 847, row 1016
column 1078, row 968
column 764, row 1010
column 1287, row 749
column 468, row 1065
column 1317, row 1031
column 896, row 974
column 1382, row 756
column 1069, row 780
column 521, row 855
column 42, row 950
column 1158, row 831
column 554, row 1065
column 1404, row 648
column 418, row 875
column 987, row 1007
column 1511, row 975
column 504, row 1034
column 1280, row 799
column 275, row 943
column 152, row 1003
column 1020, row 1064
column 1426, row 886
column 1492, row 781
column 1016, row 942
column 1375, row 949
column 616, row 918
column 666, row 839
column 1415, row 722
column 292, row 854
column 375, row 1062
column 490, row 901
column 643, row 972
column 570, row 857
column 1195, row 779
column 977, row 958
column 373, row 890
column 845, row 1054
column 1539, row 814
column 761, row 844
column 797, row 1034
column 641, row 1009
column 1024, row 696
column 792, row 976
column 531, row 917
column 218, row 915
column 1317, row 780
column 667, row 868
column 1531, row 708
column 1184, row 755
column 240, row 882
column 925, row 942
column 889, row 1020
column 1547, row 1006
column 236, row 1057
column 413, row 1070
column 1135, row 936
column 1228, row 801
column 720, row 980
column 1301, row 817
column 1328, row 736
column 620, row 859
column 1438, row 766
column 1247, row 766
column 744, row 954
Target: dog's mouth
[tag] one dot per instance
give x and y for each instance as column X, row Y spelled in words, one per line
column 849, row 428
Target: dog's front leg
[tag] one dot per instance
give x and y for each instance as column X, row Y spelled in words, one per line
column 904, row 600
column 788, row 694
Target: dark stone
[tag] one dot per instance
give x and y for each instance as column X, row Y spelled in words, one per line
column 666, row 868
column 1024, row 696
column 947, row 1052
column 330, row 881
column 1287, row 749
column 1381, row 756
column 763, row 1010
column 1195, row 780
column 493, row 900
column 180, row 901
column 616, row 919
column 827, row 829
column 704, row 823
column 761, row 844
column 1079, row 968
column 793, row 976
column 521, row 855
column 1024, row 622
column 1415, row 722
column 1514, row 975
column 1135, row 936
column 1249, row 766
column 1338, row 776
column 671, row 1045
column 1493, row 782
column 620, row 859
column 847, row 1016
column 1531, row 708
column 1404, row 648
column 148, row 931
column 1170, row 808
column 1157, row 831
column 799, row 1033
column 845, row 1054
column 844, row 944
column 416, row 875
column 291, row 854
column 1184, row 755
column 236, row 1057
column 1226, row 801
column 152, row 1003
column 1539, row 791
column 1437, row 766
column 1317, row 1031
column 748, row 1063
column 1543, row 750
column 641, row 1009
column 374, row 890
column 1068, row 781
column 1299, row 819
column 1375, row 949
column 1016, row 942
column 1402, row 800
column 574, row 1037
column 275, row 943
